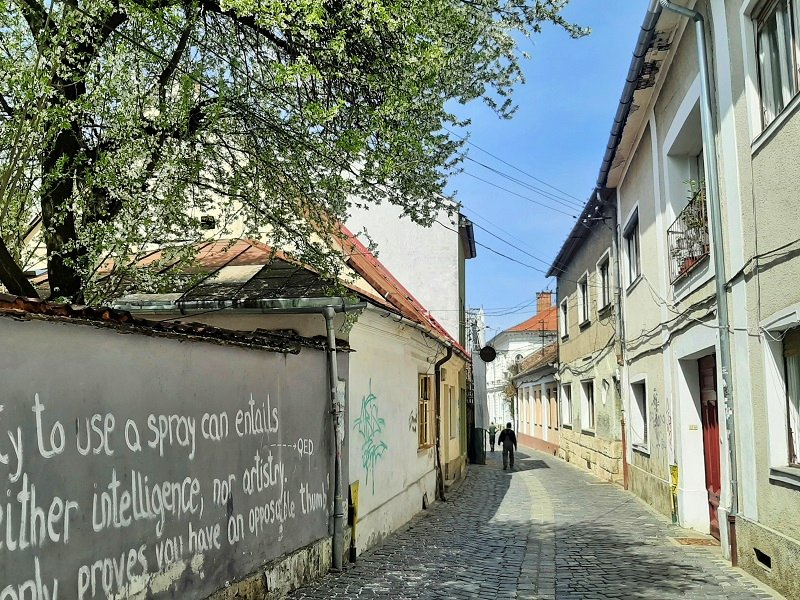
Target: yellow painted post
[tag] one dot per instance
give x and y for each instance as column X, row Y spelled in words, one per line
column 673, row 469
column 353, row 519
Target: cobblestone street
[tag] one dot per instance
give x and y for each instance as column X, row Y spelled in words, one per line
column 546, row 530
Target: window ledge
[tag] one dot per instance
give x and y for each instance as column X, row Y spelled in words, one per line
column 589, row 432
column 564, row 338
column 584, row 324
column 604, row 310
column 763, row 138
column 641, row 449
column 633, row 284
column 425, row 448
column 566, row 426
column 789, row 476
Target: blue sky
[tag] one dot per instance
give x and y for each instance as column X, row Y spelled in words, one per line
column 558, row 135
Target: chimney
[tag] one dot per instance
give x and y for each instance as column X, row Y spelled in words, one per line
column 544, row 300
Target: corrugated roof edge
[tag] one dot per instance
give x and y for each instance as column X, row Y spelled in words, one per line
column 18, row 307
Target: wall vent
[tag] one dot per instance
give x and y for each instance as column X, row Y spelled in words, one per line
column 763, row 559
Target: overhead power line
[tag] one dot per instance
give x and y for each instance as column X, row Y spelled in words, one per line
column 549, row 195
column 508, row 164
column 528, row 198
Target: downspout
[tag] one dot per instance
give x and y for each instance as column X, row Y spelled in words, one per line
column 437, row 375
column 337, row 410
column 712, row 192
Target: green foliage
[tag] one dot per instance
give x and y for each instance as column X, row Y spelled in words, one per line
column 123, row 121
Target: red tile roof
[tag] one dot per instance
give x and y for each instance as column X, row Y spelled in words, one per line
column 546, row 320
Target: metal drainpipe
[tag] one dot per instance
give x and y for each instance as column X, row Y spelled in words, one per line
column 712, row 191
column 338, row 416
column 437, row 374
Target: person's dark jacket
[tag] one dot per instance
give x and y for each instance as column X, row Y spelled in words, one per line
column 507, row 439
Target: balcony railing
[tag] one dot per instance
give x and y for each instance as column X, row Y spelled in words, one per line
column 687, row 237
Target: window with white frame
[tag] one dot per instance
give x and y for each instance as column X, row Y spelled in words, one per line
column 604, row 282
column 587, row 404
column 777, row 49
column 562, row 317
column 566, row 404
column 583, row 299
column 791, row 355
column 631, row 236
column 639, row 416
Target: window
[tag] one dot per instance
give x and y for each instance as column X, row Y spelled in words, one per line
column 791, row 354
column 566, row 404
column 604, row 279
column 639, row 417
column 583, row 299
column 552, row 422
column 423, row 411
column 587, row 404
column 776, row 46
column 453, row 412
column 562, row 314
column 632, row 248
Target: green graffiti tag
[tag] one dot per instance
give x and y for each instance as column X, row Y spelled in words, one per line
column 369, row 425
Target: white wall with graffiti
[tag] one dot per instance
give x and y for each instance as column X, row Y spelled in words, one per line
column 393, row 472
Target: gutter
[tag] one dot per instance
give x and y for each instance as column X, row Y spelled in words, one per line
column 437, row 370
column 643, row 43
column 626, row 100
column 713, row 196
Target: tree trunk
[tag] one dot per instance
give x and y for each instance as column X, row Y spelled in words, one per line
column 58, row 219
column 12, row 277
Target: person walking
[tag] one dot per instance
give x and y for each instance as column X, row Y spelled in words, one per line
column 509, row 442
column 492, row 433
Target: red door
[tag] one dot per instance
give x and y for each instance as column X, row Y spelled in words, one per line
column 710, row 419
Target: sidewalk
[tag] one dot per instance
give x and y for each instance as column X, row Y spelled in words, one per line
column 546, row 530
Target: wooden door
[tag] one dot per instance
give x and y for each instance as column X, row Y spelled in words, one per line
column 709, row 415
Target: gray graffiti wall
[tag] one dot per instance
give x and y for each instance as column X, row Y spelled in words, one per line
column 139, row 466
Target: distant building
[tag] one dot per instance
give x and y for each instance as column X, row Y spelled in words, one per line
column 537, row 412
column 512, row 346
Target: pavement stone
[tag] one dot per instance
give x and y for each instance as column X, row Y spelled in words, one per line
column 540, row 532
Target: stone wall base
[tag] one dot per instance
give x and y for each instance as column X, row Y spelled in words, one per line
column 277, row 578
column 600, row 456
column 781, row 552
column 455, row 469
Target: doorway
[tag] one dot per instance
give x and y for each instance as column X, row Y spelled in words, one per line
column 709, row 415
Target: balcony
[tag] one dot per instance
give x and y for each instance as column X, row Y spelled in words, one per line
column 687, row 237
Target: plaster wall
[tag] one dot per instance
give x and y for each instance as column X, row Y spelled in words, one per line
column 588, row 353
column 394, row 474
column 134, row 458
column 424, row 259
column 767, row 184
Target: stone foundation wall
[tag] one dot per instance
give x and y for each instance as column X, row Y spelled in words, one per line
column 600, row 456
column 782, row 552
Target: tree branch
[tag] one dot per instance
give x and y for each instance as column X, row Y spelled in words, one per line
column 12, row 277
column 213, row 6
column 7, row 108
column 174, row 61
column 36, row 17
